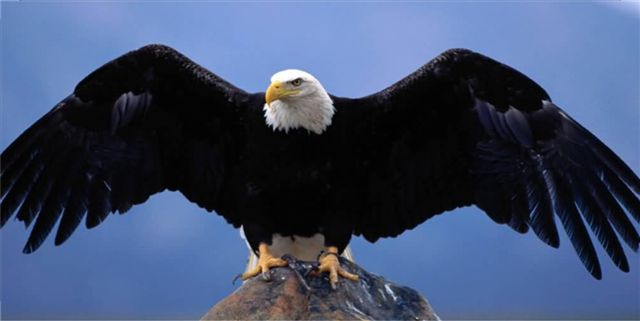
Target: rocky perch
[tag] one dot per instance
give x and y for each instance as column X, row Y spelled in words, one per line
column 293, row 294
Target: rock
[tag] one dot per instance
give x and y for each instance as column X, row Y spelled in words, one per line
column 294, row 294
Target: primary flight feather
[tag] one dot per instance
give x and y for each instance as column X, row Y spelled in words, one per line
column 296, row 163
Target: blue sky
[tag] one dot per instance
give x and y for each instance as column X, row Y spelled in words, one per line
column 170, row 259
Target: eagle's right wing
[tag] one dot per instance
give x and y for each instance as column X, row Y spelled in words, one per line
column 147, row 121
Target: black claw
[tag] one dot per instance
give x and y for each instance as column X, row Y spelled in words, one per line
column 266, row 276
column 334, row 286
column 233, row 282
column 289, row 258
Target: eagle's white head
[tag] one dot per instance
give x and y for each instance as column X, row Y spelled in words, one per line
column 297, row 99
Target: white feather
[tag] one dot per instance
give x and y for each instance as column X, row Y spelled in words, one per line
column 303, row 248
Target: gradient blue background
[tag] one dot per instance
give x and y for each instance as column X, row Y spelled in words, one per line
column 170, row 259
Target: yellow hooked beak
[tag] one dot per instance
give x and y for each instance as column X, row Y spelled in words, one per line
column 276, row 91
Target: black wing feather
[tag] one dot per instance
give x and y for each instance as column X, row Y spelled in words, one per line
column 130, row 129
column 75, row 210
column 540, row 206
column 54, row 205
column 622, row 192
column 596, row 186
column 573, row 224
column 494, row 139
column 593, row 215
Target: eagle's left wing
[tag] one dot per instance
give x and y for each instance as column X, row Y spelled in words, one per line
column 465, row 129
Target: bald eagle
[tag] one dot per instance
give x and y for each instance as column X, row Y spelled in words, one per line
column 301, row 171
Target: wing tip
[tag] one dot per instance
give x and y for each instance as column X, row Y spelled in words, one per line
column 61, row 237
column 30, row 247
column 554, row 242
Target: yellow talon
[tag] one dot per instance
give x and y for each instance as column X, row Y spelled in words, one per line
column 329, row 263
column 265, row 262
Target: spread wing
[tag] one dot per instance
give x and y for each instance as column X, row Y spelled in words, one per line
column 147, row 121
column 465, row 129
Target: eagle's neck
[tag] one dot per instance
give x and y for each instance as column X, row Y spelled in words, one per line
column 312, row 112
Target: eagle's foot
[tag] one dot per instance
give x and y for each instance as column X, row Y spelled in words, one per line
column 329, row 262
column 266, row 261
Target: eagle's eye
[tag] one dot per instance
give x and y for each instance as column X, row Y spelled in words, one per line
column 296, row 82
